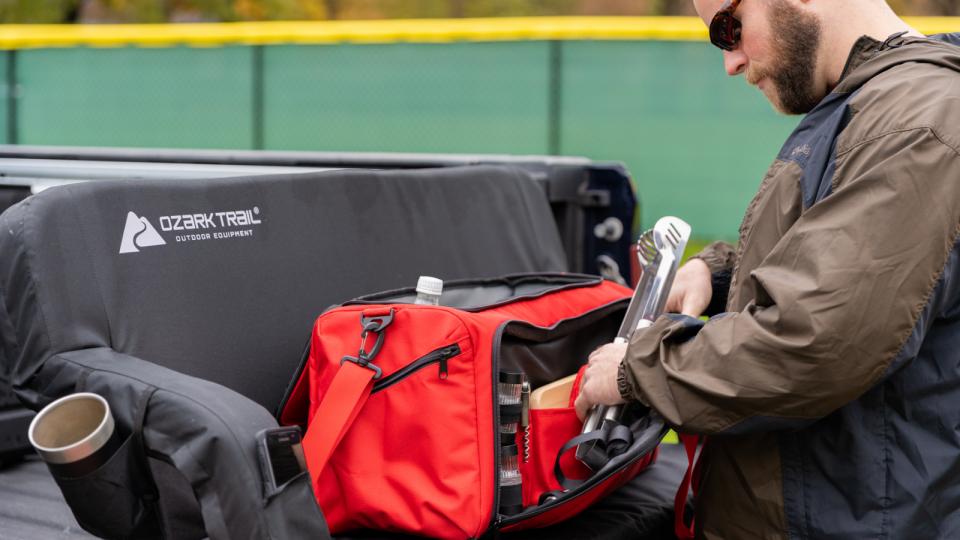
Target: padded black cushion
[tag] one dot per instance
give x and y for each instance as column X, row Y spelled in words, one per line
column 233, row 301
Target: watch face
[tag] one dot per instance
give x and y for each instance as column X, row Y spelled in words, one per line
column 286, row 456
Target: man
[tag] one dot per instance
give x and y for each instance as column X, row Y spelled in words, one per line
column 830, row 390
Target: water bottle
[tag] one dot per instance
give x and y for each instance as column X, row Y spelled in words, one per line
column 428, row 291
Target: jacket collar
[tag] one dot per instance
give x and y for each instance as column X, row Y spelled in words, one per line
column 862, row 50
column 866, row 61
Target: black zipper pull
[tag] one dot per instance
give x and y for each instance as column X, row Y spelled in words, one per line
column 496, row 529
column 444, row 355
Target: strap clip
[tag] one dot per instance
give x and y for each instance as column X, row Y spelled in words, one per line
column 376, row 324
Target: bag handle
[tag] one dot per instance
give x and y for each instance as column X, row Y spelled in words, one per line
column 690, row 479
column 347, row 394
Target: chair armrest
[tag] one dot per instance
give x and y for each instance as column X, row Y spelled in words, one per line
column 203, row 429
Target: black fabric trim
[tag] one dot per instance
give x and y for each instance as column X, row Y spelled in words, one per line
column 292, row 385
column 511, row 500
column 151, row 494
column 510, row 412
column 720, row 282
column 511, row 495
column 562, row 280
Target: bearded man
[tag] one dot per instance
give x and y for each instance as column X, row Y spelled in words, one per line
column 830, row 387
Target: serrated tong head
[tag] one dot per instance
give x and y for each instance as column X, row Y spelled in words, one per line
column 647, row 248
column 671, row 238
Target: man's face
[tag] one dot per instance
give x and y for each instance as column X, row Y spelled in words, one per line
column 778, row 51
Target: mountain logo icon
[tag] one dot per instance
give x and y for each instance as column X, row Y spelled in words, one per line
column 138, row 232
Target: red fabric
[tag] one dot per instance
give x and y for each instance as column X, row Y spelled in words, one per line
column 690, row 479
column 346, row 396
column 550, row 429
column 575, row 390
column 419, row 456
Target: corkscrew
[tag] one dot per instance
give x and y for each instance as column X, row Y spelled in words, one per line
column 525, row 419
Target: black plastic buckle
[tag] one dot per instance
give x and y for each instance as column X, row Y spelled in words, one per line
column 376, row 324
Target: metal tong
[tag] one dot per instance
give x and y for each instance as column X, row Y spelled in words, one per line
column 659, row 250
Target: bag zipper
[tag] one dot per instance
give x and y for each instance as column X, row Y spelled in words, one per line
column 497, row 521
column 439, row 356
column 587, row 486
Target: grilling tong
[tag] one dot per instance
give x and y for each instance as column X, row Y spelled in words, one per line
column 659, row 250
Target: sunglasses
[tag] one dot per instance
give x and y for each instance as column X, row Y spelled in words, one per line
column 725, row 28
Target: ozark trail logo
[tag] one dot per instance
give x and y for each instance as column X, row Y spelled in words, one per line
column 138, row 232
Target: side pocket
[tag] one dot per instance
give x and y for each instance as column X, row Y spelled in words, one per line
column 291, row 504
column 117, row 501
column 110, row 502
column 550, row 429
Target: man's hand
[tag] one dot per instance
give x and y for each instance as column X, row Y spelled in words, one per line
column 599, row 382
column 691, row 290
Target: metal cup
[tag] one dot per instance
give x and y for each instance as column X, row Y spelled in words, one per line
column 75, row 435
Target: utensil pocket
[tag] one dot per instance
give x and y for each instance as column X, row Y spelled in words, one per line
column 112, row 501
column 293, row 507
column 549, row 429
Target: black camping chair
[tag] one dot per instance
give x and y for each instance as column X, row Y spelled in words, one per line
column 203, row 331
column 187, row 305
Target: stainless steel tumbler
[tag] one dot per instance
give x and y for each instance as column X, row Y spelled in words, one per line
column 75, row 435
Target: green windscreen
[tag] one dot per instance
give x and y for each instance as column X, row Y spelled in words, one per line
column 696, row 141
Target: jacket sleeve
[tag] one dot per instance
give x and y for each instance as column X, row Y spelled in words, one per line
column 720, row 258
column 843, row 301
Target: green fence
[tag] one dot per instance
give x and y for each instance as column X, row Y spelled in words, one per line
column 696, row 141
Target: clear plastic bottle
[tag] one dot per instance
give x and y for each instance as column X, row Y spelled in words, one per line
column 428, row 291
column 509, row 388
column 511, row 490
column 511, row 382
column 509, row 465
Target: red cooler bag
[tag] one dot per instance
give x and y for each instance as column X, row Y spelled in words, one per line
column 402, row 414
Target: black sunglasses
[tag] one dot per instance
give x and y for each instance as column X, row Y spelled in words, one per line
column 725, row 28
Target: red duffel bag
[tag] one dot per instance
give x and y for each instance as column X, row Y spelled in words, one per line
column 402, row 414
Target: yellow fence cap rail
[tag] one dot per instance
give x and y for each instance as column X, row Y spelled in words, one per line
column 380, row 31
column 934, row 25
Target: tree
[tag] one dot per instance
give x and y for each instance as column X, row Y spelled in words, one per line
column 146, row 11
column 38, row 11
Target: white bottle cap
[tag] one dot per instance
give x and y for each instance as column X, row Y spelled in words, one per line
column 430, row 285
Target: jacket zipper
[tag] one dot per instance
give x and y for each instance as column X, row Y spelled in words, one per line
column 439, row 356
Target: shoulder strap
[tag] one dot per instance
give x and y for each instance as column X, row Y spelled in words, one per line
column 690, row 479
column 348, row 392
